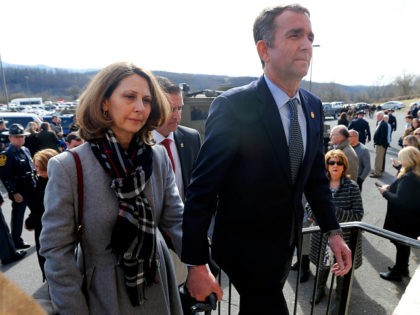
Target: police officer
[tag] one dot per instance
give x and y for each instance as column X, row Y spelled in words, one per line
column 18, row 175
column 8, row 252
column 4, row 138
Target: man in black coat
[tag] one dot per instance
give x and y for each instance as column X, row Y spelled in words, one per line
column 392, row 120
column 361, row 126
column 380, row 140
column 246, row 173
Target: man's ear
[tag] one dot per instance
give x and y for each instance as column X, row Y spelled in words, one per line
column 262, row 50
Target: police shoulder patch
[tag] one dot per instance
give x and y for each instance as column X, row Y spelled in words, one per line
column 3, row 159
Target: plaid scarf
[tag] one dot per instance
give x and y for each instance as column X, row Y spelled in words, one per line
column 133, row 237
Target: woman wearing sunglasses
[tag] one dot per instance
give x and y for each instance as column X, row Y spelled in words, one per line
column 349, row 207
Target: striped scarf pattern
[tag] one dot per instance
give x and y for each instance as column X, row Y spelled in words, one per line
column 133, row 237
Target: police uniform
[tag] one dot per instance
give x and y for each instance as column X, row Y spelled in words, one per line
column 18, row 175
column 8, row 253
column 4, row 138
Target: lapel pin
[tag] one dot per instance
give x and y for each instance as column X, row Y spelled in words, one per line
column 312, row 115
column 182, row 144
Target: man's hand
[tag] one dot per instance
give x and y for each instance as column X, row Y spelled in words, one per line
column 201, row 283
column 342, row 255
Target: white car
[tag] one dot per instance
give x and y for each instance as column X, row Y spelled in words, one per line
column 392, row 105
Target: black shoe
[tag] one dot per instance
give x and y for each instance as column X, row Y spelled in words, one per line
column 405, row 272
column 17, row 256
column 304, row 276
column 319, row 295
column 391, row 276
column 295, row 266
column 23, row 246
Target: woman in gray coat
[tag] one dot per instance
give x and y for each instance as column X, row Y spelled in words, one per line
column 129, row 191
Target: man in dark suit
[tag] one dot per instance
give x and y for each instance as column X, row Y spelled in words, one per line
column 247, row 175
column 361, row 126
column 392, row 120
column 182, row 144
column 380, row 140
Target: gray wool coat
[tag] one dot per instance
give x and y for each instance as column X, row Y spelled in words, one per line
column 107, row 293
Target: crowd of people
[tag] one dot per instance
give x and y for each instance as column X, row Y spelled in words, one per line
column 153, row 193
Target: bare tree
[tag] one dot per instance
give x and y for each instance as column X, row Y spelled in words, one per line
column 404, row 84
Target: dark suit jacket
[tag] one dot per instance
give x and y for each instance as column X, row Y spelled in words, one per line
column 381, row 134
column 403, row 215
column 393, row 122
column 243, row 168
column 188, row 143
column 362, row 127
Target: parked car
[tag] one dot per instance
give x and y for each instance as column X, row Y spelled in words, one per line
column 395, row 105
column 330, row 110
column 19, row 118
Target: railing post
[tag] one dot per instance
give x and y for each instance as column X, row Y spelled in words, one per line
column 355, row 237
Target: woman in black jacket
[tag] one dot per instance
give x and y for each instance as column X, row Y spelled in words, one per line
column 403, row 212
column 33, row 222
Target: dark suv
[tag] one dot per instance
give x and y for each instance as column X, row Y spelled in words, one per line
column 330, row 111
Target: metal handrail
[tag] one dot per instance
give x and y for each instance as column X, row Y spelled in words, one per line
column 355, row 228
column 372, row 229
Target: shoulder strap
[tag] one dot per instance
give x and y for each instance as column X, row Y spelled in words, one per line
column 79, row 171
column 80, row 226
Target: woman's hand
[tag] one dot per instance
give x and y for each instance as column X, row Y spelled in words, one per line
column 383, row 188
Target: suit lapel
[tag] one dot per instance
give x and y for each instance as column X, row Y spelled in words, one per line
column 271, row 120
column 180, row 146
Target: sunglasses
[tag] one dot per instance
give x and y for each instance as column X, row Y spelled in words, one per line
column 339, row 163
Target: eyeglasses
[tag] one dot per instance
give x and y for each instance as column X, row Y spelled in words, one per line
column 339, row 163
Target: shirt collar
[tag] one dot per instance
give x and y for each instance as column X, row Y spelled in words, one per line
column 159, row 138
column 280, row 97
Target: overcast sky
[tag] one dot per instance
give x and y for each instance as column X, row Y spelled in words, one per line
column 362, row 42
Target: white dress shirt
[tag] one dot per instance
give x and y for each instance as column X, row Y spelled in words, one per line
column 281, row 98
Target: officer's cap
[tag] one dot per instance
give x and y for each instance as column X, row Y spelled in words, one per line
column 16, row 130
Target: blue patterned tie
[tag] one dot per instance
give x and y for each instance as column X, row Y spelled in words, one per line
column 295, row 140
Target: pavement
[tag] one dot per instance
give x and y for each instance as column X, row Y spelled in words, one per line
column 370, row 294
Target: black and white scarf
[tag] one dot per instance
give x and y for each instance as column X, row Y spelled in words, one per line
column 133, row 237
